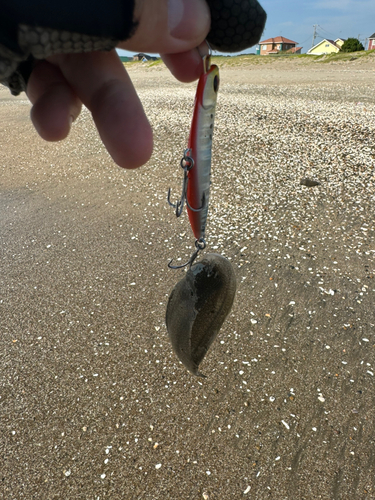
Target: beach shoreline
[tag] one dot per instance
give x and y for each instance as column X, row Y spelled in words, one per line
column 94, row 402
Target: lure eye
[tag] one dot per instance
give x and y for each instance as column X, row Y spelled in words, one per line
column 216, row 83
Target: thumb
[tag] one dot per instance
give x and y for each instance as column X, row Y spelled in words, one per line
column 168, row 26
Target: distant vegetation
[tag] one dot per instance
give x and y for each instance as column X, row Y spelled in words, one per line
column 352, row 45
column 251, row 59
column 303, row 58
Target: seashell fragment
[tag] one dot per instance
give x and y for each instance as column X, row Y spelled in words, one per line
column 197, row 308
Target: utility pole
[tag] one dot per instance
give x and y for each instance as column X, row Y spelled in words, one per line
column 314, row 35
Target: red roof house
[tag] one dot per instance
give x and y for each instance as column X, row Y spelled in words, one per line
column 371, row 42
column 278, row 44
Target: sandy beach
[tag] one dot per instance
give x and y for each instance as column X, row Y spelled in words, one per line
column 94, row 403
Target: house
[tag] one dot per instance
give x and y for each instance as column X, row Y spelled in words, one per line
column 276, row 45
column 371, row 42
column 294, row 50
column 326, row 46
column 144, row 57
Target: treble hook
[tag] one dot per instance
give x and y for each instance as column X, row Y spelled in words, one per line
column 187, row 163
column 179, row 205
column 199, row 245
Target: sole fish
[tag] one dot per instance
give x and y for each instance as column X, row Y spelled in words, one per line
column 197, row 308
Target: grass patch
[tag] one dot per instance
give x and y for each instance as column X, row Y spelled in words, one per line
column 148, row 64
column 243, row 60
column 345, row 56
column 158, row 62
column 256, row 60
column 130, row 63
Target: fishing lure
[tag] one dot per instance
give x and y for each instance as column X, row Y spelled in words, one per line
column 196, row 161
column 200, row 302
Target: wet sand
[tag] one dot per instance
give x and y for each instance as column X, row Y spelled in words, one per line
column 94, row 403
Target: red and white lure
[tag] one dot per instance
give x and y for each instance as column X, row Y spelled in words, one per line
column 196, row 161
column 200, row 302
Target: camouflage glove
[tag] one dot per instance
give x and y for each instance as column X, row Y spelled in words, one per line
column 38, row 29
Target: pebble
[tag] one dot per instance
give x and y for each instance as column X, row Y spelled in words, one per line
column 309, row 182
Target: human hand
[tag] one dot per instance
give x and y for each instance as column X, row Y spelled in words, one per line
column 59, row 86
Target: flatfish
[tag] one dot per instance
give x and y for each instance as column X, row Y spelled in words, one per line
column 197, row 308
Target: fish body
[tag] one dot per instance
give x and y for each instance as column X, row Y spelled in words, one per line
column 197, row 308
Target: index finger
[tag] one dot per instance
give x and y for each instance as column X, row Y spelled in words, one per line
column 100, row 81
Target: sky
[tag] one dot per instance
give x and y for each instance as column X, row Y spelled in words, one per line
column 334, row 19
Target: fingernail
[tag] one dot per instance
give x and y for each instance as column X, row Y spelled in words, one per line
column 188, row 19
column 71, row 119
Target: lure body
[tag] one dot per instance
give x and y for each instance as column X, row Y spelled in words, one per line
column 199, row 147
